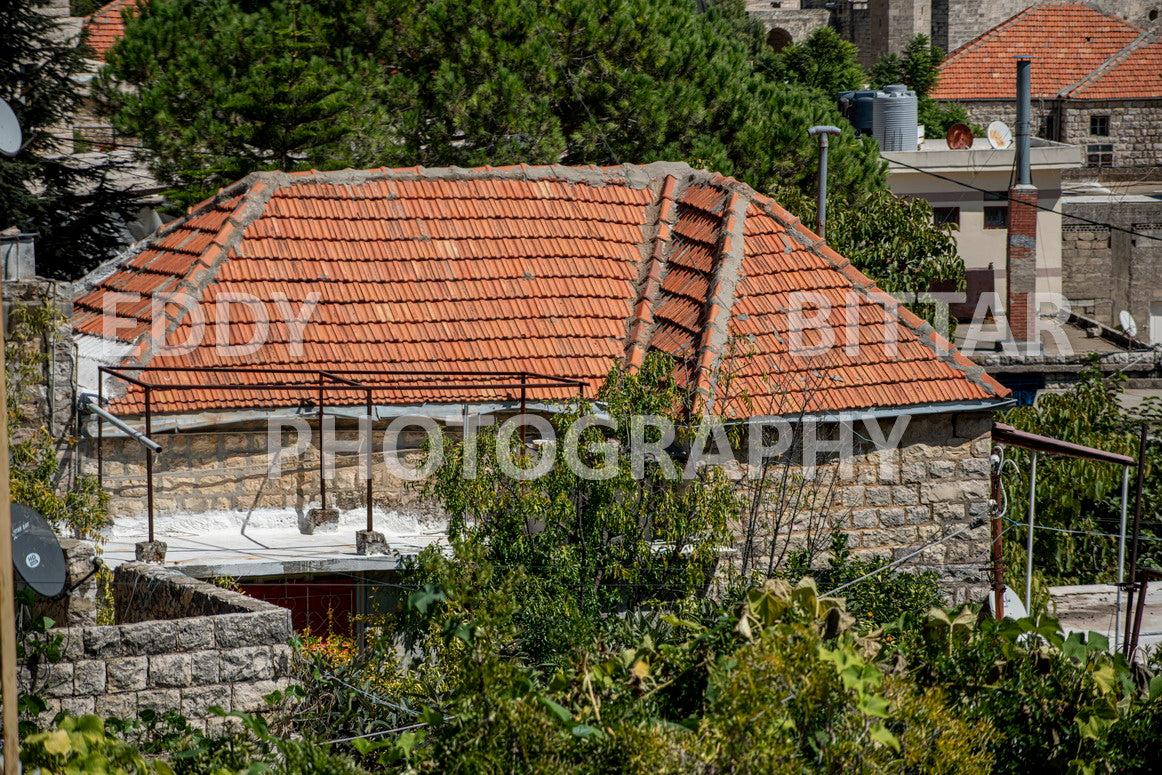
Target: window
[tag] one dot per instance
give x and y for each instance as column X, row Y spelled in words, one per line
column 943, row 216
column 996, row 217
column 1049, row 127
column 1099, row 126
column 1099, row 155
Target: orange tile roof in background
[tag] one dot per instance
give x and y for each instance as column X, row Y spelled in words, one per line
column 1071, row 44
column 106, row 25
column 560, row 271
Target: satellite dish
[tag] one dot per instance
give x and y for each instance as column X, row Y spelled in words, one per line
column 39, row 559
column 11, row 138
column 959, row 137
column 1014, row 608
column 1000, row 136
column 1128, row 324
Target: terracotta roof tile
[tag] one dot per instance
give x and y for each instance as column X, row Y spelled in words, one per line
column 538, row 269
column 1068, row 43
column 105, row 26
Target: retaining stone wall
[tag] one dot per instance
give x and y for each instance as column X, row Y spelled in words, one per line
column 231, row 652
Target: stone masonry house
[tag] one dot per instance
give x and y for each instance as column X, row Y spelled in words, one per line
column 1096, row 81
column 547, row 275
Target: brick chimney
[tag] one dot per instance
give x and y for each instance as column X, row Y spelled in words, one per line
column 1021, row 250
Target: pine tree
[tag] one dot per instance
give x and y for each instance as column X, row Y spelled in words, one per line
column 74, row 207
column 466, row 82
column 217, row 89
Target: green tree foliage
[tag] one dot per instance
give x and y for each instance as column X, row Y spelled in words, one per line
column 1077, row 494
column 918, row 68
column 631, row 533
column 1083, row 495
column 466, row 82
column 71, row 204
column 81, row 508
column 892, row 239
column 824, row 62
column 219, row 89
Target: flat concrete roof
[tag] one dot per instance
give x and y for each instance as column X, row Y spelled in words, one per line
column 1090, row 608
column 936, row 156
column 269, row 543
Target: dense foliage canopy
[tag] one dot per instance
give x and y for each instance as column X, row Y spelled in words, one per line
column 72, row 204
column 217, row 89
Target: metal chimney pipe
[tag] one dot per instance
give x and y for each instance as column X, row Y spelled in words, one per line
column 821, row 203
column 1024, row 128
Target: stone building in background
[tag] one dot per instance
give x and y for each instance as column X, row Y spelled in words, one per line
column 878, row 27
column 1096, row 82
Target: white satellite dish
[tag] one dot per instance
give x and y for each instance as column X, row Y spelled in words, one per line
column 1014, row 608
column 1128, row 324
column 1000, row 136
column 11, row 138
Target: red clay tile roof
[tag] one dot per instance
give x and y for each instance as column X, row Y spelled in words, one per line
column 1133, row 73
column 106, row 25
column 1067, row 41
column 554, row 270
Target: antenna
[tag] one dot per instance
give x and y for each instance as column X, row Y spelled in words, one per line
column 1000, row 136
column 36, row 552
column 11, row 138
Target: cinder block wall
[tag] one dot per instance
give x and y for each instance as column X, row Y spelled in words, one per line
column 182, row 644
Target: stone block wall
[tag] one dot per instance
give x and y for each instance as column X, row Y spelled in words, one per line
column 1133, row 124
column 1105, row 271
column 208, row 647
column 938, row 481
column 78, row 607
column 229, row 471
column 797, row 22
column 890, row 502
column 1134, row 128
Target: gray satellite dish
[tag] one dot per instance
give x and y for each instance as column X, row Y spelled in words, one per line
column 1128, row 324
column 36, row 552
column 11, row 138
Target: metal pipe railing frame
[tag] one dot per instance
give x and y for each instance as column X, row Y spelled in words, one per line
column 325, row 379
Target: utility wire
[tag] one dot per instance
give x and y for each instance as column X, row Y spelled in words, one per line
column 1006, row 197
column 882, row 568
column 1077, row 532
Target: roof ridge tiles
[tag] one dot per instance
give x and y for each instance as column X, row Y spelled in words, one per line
column 720, row 300
column 255, row 194
column 643, row 322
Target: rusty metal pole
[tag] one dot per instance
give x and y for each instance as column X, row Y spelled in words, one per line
column 1139, row 612
column 370, row 450
column 1133, row 585
column 322, row 468
column 998, row 558
column 149, row 462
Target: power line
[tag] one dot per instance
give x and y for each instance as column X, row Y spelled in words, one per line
column 1007, row 198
